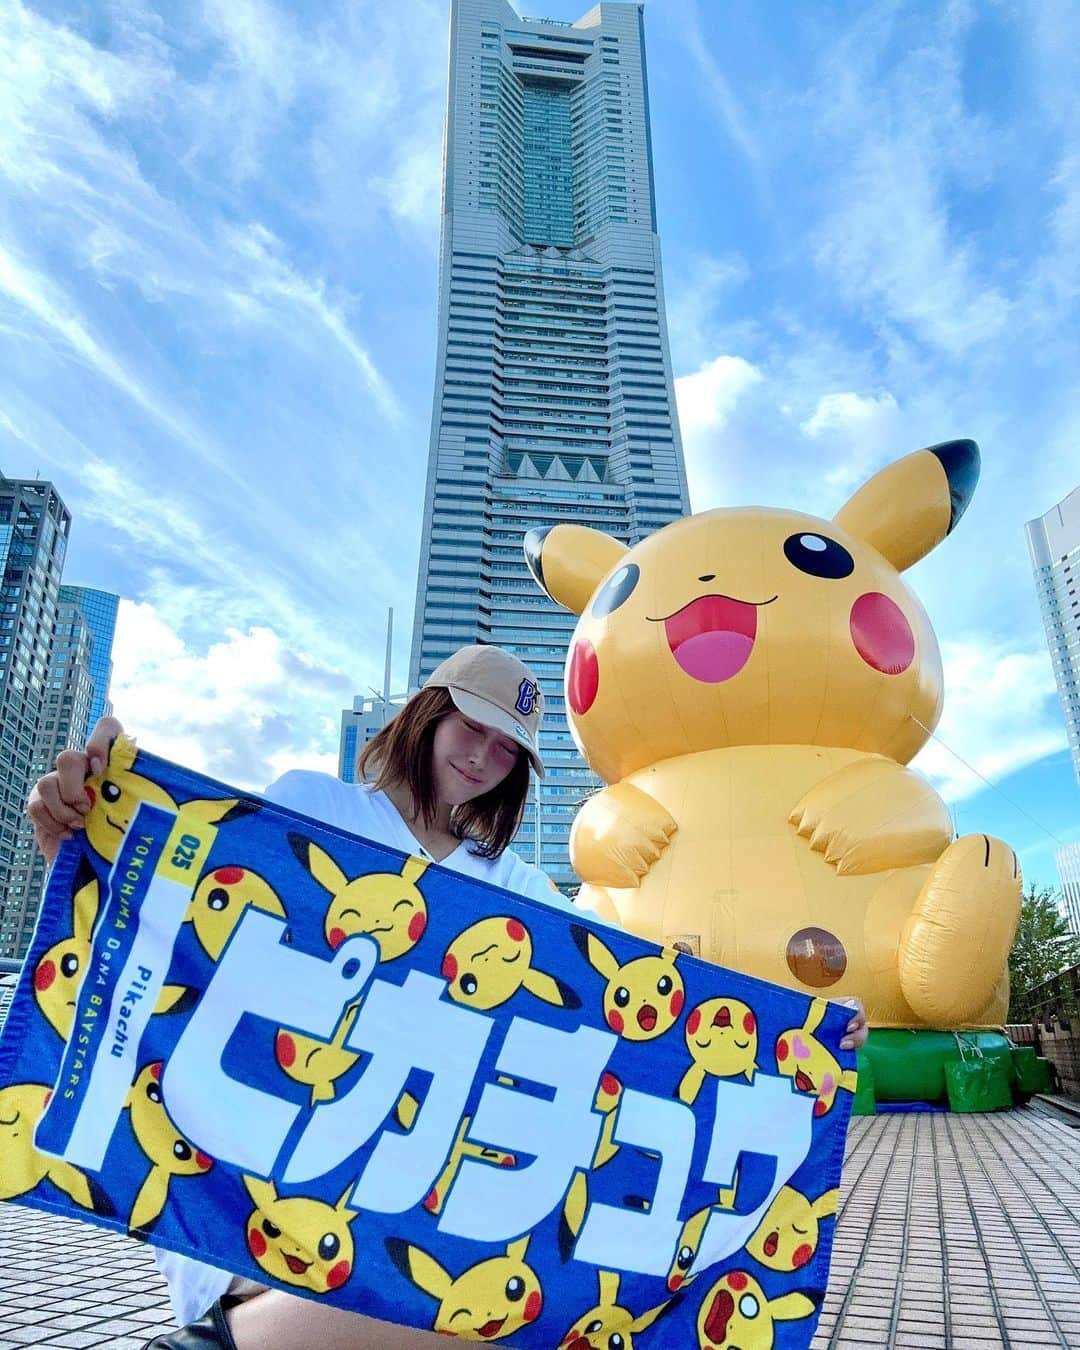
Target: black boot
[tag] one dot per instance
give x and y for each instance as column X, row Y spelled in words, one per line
column 210, row 1332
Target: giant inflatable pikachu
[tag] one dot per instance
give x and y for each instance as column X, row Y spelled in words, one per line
column 751, row 684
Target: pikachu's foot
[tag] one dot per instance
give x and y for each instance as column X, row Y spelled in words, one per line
column 956, row 943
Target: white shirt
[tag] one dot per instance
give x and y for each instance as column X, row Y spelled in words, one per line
column 194, row 1285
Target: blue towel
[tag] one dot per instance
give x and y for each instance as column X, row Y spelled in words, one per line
column 363, row 1078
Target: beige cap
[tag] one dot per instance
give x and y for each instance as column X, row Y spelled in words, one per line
column 495, row 688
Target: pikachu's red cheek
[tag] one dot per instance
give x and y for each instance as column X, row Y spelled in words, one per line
column 337, row 1275
column 417, row 924
column 583, row 677
column 533, row 1304
column 256, row 1244
column 880, row 633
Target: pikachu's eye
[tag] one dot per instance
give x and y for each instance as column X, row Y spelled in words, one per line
column 818, row 556
column 515, row 1288
column 270, row 1229
column 616, row 590
column 110, row 791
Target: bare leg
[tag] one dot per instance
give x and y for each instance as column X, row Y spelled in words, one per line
column 279, row 1321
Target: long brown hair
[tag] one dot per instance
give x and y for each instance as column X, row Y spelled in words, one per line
column 400, row 754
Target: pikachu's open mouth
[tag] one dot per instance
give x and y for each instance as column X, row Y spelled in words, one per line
column 712, row 637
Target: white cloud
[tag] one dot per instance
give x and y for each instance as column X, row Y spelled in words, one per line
column 1001, row 713
column 244, row 709
column 849, row 413
column 707, row 398
column 859, row 433
column 706, row 401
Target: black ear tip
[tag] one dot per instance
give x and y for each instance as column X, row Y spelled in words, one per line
column 534, row 547
column 299, row 844
column 398, row 1251
column 961, row 461
column 580, row 938
column 569, row 998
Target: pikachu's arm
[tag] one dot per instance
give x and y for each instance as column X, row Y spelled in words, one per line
column 617, row 836
column 873, row 815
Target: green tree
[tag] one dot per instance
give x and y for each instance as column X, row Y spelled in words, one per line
column 1044, row 946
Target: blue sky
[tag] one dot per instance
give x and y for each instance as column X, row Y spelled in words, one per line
column 218, row 256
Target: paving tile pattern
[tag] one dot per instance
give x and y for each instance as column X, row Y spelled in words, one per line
column 954, row 1232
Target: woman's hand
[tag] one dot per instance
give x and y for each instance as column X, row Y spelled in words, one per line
column 857, row 1030
column 58, row 801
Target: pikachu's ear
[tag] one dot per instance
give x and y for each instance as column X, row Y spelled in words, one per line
column 609, row 1288
column 516, row 1250
column 263, row 1193
column 85, row 910
column 319, row 863
column 911, row 505
column 792, row 1306
column 594, row 951
column 414, row 869
column 416, row 1265
column 826, row 1204
column 570, row 561
column 122, row 753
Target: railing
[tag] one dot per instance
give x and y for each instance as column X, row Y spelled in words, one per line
column 1056, row 999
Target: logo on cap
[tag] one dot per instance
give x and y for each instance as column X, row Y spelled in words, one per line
column 526, row 699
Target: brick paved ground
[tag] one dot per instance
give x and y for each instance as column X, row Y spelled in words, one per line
column 954, row 1231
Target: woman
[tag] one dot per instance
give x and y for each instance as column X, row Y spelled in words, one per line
column 446, row 779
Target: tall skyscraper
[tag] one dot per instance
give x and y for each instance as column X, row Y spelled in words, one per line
column 553, row 392
column 62, row 725
column 1054, row 542
column 99, row 609
column 34, row 526
column 360, row 724
column 1067, row 858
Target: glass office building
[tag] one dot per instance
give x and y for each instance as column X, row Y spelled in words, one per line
column 1054, row 543
column 99, row 609
column 553, row 392
column 63, row 724
column 34, row 527
column 1067, row 858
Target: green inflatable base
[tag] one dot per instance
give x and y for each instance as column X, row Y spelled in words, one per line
column 968, row 1070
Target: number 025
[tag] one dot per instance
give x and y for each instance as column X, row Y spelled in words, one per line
column 186, row 849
